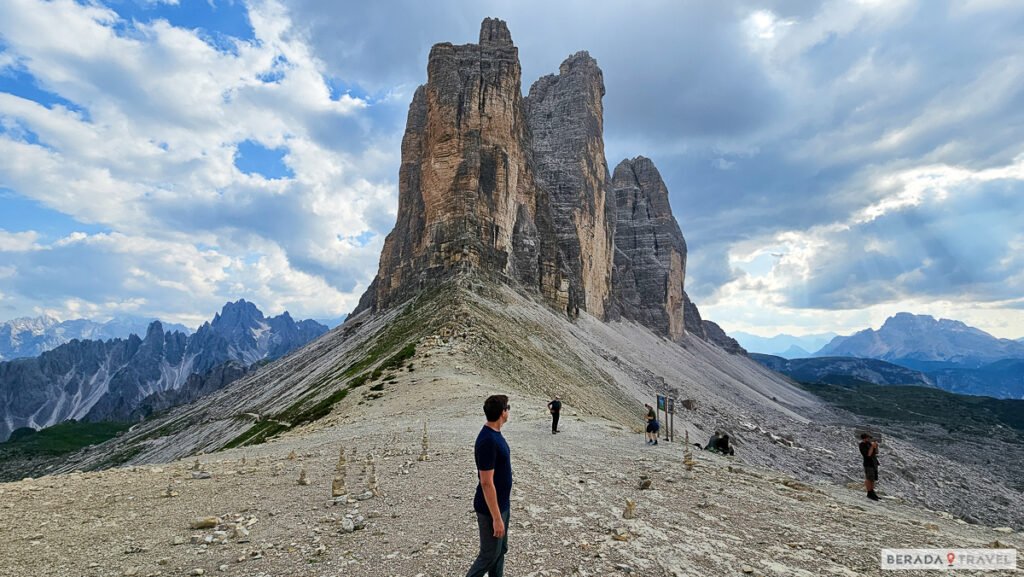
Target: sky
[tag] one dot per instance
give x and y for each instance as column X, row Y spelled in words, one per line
column 830, row 163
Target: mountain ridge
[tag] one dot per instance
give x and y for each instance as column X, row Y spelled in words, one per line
column 779, row 344
column 111, row 380
column 923, row 338
column 31, row 336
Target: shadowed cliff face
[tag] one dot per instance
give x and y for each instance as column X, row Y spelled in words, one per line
column 650, row 253
column 565, row 116
column 518, row 190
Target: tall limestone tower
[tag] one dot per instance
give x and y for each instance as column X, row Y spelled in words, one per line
column 518, row 190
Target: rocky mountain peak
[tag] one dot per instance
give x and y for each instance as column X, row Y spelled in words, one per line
column 100, row 380
column 650, row 252
column 237, row 313
column 582, row 63
column 155, row 331
column 494, row 32
column 518, row 190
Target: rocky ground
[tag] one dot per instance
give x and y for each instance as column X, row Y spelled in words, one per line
column 724, row 517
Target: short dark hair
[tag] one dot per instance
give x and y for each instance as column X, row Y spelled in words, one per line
column 865, row 436
column 494, row 406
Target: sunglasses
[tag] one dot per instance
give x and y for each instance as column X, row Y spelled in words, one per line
column 508, row 407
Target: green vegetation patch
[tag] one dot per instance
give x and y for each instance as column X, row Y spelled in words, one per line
column 62, row 438
column 406, row 327
column 922, row 405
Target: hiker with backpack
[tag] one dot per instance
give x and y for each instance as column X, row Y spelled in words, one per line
column 652, row 425
column 869, row 450
column 555, row 408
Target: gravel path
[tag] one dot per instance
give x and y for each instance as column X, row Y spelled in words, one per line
column 722, row 518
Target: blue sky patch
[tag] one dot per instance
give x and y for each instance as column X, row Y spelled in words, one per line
column 21, row 83
column 219, row 22
column 21, row 214
column 254, row 158
column 361, row 239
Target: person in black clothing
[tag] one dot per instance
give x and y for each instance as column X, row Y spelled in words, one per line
column 869, row 450
column 555, row 408
column 722, row 445
column 719, row 443
column 712, row 444
column 493, row 491
column 652, row 425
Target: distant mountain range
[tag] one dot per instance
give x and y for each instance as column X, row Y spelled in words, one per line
column 124, row 379
column 942, row 353
column 907, row 338
column 30, row 337
column 786, row 346
column 843, row 370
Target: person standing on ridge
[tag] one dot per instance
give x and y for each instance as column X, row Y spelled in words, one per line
column 555, row 408
column 652, row 425
column 869, row 450
column 493, row 491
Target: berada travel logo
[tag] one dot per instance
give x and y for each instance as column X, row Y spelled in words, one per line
column 948, row 559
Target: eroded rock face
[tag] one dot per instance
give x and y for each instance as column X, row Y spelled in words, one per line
column 650, row 252
column 566, row 120
column 467, row 193
column 519, row 190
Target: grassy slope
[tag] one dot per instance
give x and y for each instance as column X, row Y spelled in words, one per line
column 922, row 404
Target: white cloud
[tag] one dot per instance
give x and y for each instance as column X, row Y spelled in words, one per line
column 110, row 272
column 18, row 241
column 816, row 278
column 148, row 151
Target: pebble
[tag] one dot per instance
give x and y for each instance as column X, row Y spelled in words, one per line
column 347, row 525
column 747, row 569
column 205, row 522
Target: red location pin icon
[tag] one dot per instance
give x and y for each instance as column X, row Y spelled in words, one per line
column 950, row 557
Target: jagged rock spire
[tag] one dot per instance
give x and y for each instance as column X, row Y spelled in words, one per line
column 650, row 252
column 494, row 32
column 518, row 189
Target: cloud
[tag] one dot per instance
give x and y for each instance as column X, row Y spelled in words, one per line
column 863, row 141
column 102, row 274
column 148, row 149
column 18, row 241
column 940, row 236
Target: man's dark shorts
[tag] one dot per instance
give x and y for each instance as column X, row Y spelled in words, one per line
column 870, row 473
column 653, row 426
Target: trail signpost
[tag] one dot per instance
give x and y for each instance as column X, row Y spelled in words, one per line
column 668, row 406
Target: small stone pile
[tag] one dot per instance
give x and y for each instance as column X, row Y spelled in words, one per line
column 223, row 528
column 425, row 445
column 338, row 488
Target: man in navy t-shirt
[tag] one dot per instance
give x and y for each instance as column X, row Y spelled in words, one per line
column 491, row 503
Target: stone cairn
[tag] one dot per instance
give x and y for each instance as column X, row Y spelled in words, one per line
column 371, row 476
column 198, row 472
column 630, row 511
column 303, row 480
column 169, row 492
column 688, row 453
column 425, row 445
column 338, row 488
